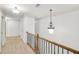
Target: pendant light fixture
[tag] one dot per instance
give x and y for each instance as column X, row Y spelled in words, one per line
column 51, row 27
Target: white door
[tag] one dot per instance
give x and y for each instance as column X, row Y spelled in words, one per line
column 3, row 30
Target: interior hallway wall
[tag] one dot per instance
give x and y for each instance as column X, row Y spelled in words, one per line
column 3, row 29
column 37, row 26
column 27, row 24
column 12, row 27
column 0, row 30
column 66, row 29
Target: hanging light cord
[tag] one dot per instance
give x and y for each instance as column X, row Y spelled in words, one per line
column 50, row 15
column 51, row 23
column 51, row 18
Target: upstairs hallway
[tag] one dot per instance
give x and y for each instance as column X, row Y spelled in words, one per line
column 15, row 45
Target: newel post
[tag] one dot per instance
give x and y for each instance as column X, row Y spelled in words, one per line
column 37, row 44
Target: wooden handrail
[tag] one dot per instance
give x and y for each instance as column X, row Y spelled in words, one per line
column 60, row 45
column 30, row 33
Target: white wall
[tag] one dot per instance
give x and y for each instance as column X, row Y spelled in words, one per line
column 12, row 27
column 66, row 29
column 27, row 24
column 36, row 26
column 0, row 30
column 3, row 29
column 19, row 28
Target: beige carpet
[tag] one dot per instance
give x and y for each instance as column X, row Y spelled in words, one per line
column 15, row 45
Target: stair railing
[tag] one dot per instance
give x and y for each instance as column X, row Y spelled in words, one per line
column 41, row 45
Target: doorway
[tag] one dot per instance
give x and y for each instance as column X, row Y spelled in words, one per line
column 2, row 31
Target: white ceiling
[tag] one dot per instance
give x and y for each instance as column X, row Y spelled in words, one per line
column 41, row 11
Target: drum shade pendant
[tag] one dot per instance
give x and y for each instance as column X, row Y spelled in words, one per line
column 51, row 27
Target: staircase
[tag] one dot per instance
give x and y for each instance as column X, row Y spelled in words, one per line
column 41, row 45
